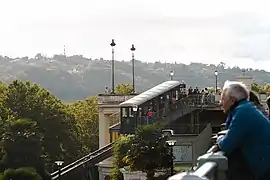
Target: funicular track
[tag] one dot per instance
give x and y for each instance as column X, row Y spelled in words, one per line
column 82, row 166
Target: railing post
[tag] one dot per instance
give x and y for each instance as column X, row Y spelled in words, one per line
column 210, row 166
column 220, row 159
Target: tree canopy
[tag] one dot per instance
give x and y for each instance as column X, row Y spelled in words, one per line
column 39, row 129
column 123, row 89
column 261, row 89
column 145, row 151
column 26, row 100
column 22, row 146
column 86, row 116
column 148, row 151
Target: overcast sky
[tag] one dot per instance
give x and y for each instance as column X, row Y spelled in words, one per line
column 236, row 32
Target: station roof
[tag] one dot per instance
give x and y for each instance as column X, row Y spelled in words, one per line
column 151, row 93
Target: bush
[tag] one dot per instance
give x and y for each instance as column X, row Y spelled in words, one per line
column 148, row 151
column 162, row 177
column 120, row 149
column 20, row 174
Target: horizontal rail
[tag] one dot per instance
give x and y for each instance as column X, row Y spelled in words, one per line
column 90, row 159
column 207, row 170
column 224, row 132
column 210, row 166
column 115, row 125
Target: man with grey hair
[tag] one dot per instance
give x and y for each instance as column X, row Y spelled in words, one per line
column 248, row 130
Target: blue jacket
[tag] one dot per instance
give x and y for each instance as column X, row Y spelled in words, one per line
column 249, row 130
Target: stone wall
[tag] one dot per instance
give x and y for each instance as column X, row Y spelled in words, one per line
column 136, row 175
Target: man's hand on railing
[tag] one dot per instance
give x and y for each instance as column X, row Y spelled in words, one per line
column 214, row 149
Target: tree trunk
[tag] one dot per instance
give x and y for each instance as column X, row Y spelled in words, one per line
column 150, row 175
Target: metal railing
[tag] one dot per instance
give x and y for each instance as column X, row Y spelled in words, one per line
column 186, row 105
column 165, row 115
column 114, row 118
column 88, row 160
column 195, row 100
column 113, row 98
column 212, row 166
column 177, row 109
column 206, row 171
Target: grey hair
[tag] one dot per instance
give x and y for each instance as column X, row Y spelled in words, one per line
column 236, row 89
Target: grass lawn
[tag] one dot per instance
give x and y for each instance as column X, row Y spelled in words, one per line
column 182, row 167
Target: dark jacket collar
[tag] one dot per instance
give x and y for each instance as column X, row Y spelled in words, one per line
column 229, row 112
column 235, row 105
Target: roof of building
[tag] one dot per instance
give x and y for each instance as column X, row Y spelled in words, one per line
column 151, row 93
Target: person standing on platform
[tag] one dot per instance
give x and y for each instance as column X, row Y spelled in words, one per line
column 149, row 116
column 268, row 106
column 248, row 132
column 254, row 98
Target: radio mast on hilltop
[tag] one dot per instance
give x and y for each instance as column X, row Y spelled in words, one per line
column 64, row 50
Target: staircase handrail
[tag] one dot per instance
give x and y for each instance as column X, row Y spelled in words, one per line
column 114, row 115
column 83, row 158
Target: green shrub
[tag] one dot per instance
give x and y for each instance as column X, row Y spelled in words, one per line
column 120, row 149
column 162, row 177
column 148, row 152
column 24, row 173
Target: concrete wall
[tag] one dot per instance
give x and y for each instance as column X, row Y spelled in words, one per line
column 105, row 122
column 108, row 106
column 190, row 146
column 202, row 143
column 183, row 148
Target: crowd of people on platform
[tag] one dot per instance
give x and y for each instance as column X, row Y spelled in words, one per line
column 247, row 140
column 196, row 90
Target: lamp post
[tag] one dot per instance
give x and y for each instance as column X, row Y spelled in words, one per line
column 135, row 109
column 112, row 45
column 243, row 72
column 133, row 68
column 216, row 74
column 171, row 75
column 59, row 165
column 171, row 143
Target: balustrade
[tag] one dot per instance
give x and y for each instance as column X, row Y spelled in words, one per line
column 113, row 98
column 114, row 118
column 183, row 106
column 212, row 166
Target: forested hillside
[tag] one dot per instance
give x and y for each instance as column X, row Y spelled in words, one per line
column 76, row 77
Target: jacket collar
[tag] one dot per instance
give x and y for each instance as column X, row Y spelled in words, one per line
column 235, row 105
column 229, row 112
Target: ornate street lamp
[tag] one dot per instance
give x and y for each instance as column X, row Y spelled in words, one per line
column 112, row 45
column 171, row 75
column 59, row 165
column 171, row 143
column 133, row 68
column 135, row 109
column 216, row 74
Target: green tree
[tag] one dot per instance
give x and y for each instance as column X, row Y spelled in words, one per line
column 55, row 123
column 86, row 115
column 123, row 89
column 22, row 146
column 258, row 88
column 266, row 89
column 120, row 149
column 255, row 87
column 20, row 174
column 148, row 151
